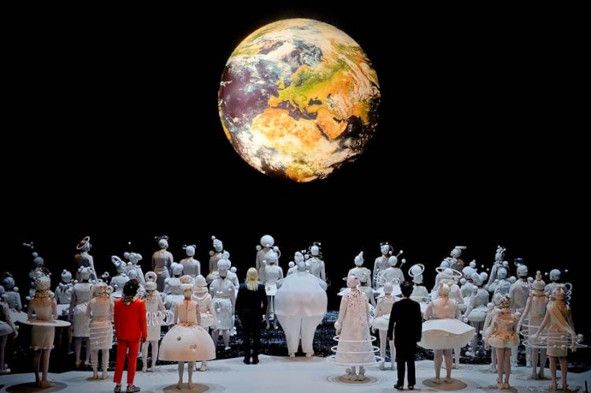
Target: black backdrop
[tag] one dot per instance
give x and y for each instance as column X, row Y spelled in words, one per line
column 112, row 131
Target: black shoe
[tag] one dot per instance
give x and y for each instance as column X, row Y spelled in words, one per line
column 132, row 389
column 117, row 389
column 411, row 387
column 398, row 387
column 246, row 360
column 255, row 360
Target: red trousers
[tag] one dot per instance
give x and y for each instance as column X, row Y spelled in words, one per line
column 122, row 352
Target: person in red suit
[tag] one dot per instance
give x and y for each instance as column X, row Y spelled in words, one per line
column 130, row 330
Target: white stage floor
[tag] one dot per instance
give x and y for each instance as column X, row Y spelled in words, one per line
column 282, row 375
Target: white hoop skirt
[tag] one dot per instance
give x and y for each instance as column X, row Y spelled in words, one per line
column 445, row 334
column 187, row 344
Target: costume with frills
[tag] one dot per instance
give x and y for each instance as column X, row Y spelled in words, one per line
column 187, row 341
column 442, row 329
column 100, row 313
column 354, row 342
column 222, row 291
column 81, row 295
column 503, row 330
column 155, row 315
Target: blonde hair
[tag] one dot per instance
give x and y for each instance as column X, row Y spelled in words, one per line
column 252, row 279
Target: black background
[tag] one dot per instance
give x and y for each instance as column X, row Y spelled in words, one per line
column 112, row 130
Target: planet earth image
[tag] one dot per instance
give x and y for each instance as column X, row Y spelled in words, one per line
column 298, row 99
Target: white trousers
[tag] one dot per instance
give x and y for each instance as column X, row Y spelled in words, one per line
column 299, row 327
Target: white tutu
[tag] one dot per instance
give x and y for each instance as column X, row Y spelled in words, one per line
column 445, row 334
column 187, row 344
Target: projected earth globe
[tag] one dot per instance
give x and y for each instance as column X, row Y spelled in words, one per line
column 298, row 99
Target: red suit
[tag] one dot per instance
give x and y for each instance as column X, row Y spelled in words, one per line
column 130, row 329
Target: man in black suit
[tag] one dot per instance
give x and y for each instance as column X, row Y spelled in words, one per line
column 406, row 322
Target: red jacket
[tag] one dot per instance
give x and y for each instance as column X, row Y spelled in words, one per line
column 130, row 320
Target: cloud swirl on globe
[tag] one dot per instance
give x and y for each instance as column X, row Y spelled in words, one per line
column 298, row 99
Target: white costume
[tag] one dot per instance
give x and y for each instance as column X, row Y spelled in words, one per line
column 7, row 328
column 205, row 304
column 216, row 254
column 81, row 295
column 133, row 267
column 381, row 322
column 84, row 259
column 477, row 308
column 12, row 297
column 187, row 341
column 267, row 244
column 272, row 274
column 223, row 295
column 363, row 274
column 300, row 306
column 381, row 262
column 534, row 312
column 392, row 275
column 316, row 263
column 191, row 266
column 161, row 262
column 118, row 281
column 63, row 292
column 155, row 318
column 354, row 342
column 419, row 292
column 443, row 331
column 502, row 336
column 100, row 313
column 44, row 307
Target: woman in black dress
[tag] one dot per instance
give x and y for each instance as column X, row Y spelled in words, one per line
column 251, row 304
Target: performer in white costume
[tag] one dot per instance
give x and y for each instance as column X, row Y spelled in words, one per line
column 555, row 276
column 477, row 309
column 503, row 336
column 381, row 262
column 100, row 313
column 215, row 254
column 63, row 292
column 155, row 318
column 134, row 266
column 223, row 294
column 419, row 291
column 381, row 321
column 519, row 293
column 291, row 268
column 187, row 341
column 44, row 307
column 443, row 331
column 84, row 259
column 7, row 329
column 206, row 311
column 316, row 264
column 267, row 244
column 363, row 274
column 300, row 306
column 172, row 288
column 354, row 347
column 272, row 274
column 392, row 275
column 557, row 331
column 499, row 261
column 161, row 262
column 81, row 295
column 531, row 319
column 191, row 266
column 118, row 281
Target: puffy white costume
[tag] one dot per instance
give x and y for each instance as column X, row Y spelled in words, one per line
column 216, row 254
column 443, row 331
column 363, row 274
column 187, row 341
column 118, row 281
column 419, row 291
column 63, row 292
column 300, row 306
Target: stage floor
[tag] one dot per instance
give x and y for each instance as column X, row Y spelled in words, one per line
column 283, row 375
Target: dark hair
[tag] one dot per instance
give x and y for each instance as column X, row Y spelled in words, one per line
column 406, row 288
column 130, row 288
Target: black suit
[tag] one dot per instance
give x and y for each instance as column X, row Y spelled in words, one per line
column 407, row 323
column 250, row 306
